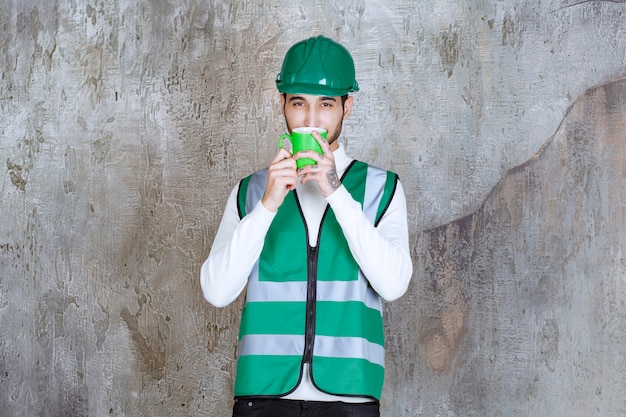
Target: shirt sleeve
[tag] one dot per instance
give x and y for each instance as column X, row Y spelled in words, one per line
column 236, row 248
column 382, row 252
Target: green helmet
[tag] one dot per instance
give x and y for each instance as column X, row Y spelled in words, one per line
column 318, row 66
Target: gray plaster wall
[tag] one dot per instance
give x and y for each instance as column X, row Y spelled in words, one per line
column 124, row 126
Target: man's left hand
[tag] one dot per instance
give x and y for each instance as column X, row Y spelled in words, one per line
column 325, row 172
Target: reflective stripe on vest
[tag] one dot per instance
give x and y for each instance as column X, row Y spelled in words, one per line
column 348, row 345
column 342, row 347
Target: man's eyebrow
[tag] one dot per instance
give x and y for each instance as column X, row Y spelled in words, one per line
column 322, row 98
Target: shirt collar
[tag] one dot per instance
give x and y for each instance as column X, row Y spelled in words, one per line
column 342, row 161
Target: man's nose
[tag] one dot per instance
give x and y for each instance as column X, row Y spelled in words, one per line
column 312, row 118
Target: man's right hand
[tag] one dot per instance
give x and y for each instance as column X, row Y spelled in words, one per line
column 282, row 177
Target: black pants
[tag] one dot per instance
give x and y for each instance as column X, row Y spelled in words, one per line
column 292, row 408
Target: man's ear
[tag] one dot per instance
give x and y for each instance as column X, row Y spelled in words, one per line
column 347, row 106
column 282, row 103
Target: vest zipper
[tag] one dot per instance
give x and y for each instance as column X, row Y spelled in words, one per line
column 311, row 291
column 311, row 296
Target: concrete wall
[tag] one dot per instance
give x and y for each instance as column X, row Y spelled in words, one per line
column 124, row 126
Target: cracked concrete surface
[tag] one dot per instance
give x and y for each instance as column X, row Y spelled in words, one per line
column 123, row 128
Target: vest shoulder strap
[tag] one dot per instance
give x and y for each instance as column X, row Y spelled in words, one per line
column 374, row 187
column 250, row 192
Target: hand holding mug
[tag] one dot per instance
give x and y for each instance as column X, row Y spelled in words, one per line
column 323, row 171
column 282, row 177
column 301, row 139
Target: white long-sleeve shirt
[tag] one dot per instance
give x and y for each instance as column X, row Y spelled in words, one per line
column 382, row 252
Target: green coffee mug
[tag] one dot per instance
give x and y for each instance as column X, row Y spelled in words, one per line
column 301, row 139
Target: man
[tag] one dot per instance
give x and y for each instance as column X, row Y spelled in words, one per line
column 317, row 247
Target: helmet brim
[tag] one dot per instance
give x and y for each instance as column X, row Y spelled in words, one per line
column 315, row 89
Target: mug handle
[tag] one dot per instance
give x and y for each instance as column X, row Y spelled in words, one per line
column 283, row 136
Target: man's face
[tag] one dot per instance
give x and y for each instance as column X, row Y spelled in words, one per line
column 317, row 111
